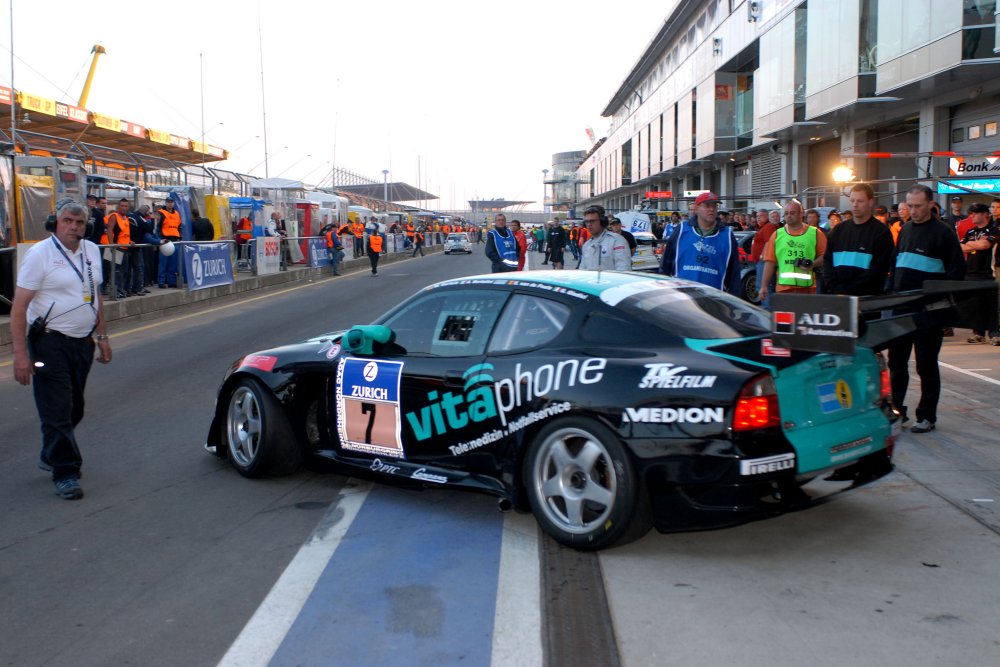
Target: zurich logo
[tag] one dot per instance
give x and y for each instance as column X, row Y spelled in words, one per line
column 371, row 371
column 196, row 269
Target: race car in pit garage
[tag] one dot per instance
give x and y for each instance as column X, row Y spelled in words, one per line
column 603, row 402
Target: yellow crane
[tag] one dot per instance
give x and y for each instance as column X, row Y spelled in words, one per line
column 97, row 51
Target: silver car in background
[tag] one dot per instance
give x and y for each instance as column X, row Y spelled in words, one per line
column 457, row 242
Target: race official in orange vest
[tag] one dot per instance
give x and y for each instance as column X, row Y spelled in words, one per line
column 375, row 247
column 118, row 230
column 168, row 225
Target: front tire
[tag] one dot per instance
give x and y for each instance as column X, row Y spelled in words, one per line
column 582, row 486
column 259, row 440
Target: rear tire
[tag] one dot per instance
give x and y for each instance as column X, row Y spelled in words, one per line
column 582, row 486
column 258, row 438
column 749, row 288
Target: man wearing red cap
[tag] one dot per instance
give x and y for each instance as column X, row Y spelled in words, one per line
column 702, row 250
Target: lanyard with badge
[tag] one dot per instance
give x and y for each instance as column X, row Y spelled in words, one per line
column 88, row 290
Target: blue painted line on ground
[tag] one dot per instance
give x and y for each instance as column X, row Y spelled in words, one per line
column 413, row 582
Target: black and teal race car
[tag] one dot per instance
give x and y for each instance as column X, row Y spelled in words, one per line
column 603, row 402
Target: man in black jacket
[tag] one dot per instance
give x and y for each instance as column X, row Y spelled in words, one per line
column 927, row 249
column 858, row 251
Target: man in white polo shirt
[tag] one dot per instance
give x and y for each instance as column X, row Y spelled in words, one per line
column 58, row 291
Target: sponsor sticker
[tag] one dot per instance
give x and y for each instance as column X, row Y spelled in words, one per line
column 669, row 376
column 834, row 396
column 767, row 464
column 769, row 349
column 675, row 415
column 368, row 412
column 259, row 361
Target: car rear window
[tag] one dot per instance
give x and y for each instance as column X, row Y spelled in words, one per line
column 692, row 311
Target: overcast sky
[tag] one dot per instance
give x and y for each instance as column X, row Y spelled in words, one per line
column 481, row 94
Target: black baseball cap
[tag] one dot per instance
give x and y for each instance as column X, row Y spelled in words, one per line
column 956, row 198
column 979, row 208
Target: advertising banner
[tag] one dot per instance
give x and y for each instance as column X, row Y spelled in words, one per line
column 317, row 253
column 815, row 322
column 208, row 265
column 268, row 260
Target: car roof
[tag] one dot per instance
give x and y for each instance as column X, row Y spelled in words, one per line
column 592, row 283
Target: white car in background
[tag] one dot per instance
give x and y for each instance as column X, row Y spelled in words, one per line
column 457, row 242
column 645, row 257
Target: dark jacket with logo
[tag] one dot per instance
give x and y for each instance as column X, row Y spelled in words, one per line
column 926, row 251
column 858, row 258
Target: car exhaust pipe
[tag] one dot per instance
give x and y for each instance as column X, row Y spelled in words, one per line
column 504, row 505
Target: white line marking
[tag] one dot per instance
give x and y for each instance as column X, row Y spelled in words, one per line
column 977, row 369
column 517, row 636
column 970, row 373
column 982, row 500
column 266, row 629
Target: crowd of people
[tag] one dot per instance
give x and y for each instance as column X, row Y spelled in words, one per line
column 872, row 250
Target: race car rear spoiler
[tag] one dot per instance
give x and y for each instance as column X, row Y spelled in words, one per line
column 941, row 303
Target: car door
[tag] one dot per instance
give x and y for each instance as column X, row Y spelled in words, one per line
column 429, row 391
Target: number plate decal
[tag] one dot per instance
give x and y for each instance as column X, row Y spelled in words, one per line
column 368, row 416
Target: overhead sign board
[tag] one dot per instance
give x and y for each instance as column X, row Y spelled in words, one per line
column 659, row 194
column 694, row 193
column 984, row 185
column 974, row 166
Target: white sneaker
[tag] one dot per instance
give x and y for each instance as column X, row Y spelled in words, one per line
column 922, row 426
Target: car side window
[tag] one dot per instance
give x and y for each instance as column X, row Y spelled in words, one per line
column 529, row 322
column 447, row 324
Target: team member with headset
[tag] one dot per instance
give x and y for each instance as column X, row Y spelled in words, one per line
column 702, row 250
column 604, row 250
column 58, row 291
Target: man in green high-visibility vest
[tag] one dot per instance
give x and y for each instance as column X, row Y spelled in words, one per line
column 795, row 251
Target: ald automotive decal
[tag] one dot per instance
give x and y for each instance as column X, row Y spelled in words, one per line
column 485, row 398
column 368, row 406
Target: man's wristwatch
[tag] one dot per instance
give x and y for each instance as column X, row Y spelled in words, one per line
column 100, row 337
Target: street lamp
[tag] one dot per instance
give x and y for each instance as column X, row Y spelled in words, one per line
column 385, row 188
column 545, row 208
column 843, row 174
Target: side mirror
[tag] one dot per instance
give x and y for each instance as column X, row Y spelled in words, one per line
column 361, row 340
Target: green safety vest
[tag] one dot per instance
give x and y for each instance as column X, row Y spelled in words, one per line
column 787, row 249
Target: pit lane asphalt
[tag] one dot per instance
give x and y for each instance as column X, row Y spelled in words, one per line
column 170, row 552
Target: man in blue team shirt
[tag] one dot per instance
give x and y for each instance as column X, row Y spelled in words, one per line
column 702, row 250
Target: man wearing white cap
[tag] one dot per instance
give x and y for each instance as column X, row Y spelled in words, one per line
column 702, row 250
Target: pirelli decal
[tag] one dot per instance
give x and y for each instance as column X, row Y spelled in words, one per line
column 767, row 464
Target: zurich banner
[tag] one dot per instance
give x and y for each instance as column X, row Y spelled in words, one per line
column 317, row 253
column 208, row 265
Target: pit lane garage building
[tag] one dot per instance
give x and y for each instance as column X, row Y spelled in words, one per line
column 761, row 100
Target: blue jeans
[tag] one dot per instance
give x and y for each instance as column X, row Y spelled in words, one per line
column 168, row 268
column 766, row 303
column 335, row 257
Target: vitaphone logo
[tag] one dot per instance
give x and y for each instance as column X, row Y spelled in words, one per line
column 480, row 402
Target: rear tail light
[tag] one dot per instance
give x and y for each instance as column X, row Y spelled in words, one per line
column 885, row 385
column 757, row 405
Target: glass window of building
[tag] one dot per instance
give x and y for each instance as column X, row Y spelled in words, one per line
column 991, row 128
column 905, row 25
column 978, row 29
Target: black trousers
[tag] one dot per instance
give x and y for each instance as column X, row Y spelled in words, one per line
column 58, row 387
column 373, row 258
column 927, row 345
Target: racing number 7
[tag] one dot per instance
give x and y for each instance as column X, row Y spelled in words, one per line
column 368, row 409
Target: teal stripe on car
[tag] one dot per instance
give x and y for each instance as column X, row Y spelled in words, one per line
column 860, row 260
column 911, row 260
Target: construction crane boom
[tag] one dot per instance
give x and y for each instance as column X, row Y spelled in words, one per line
column 97, row 51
